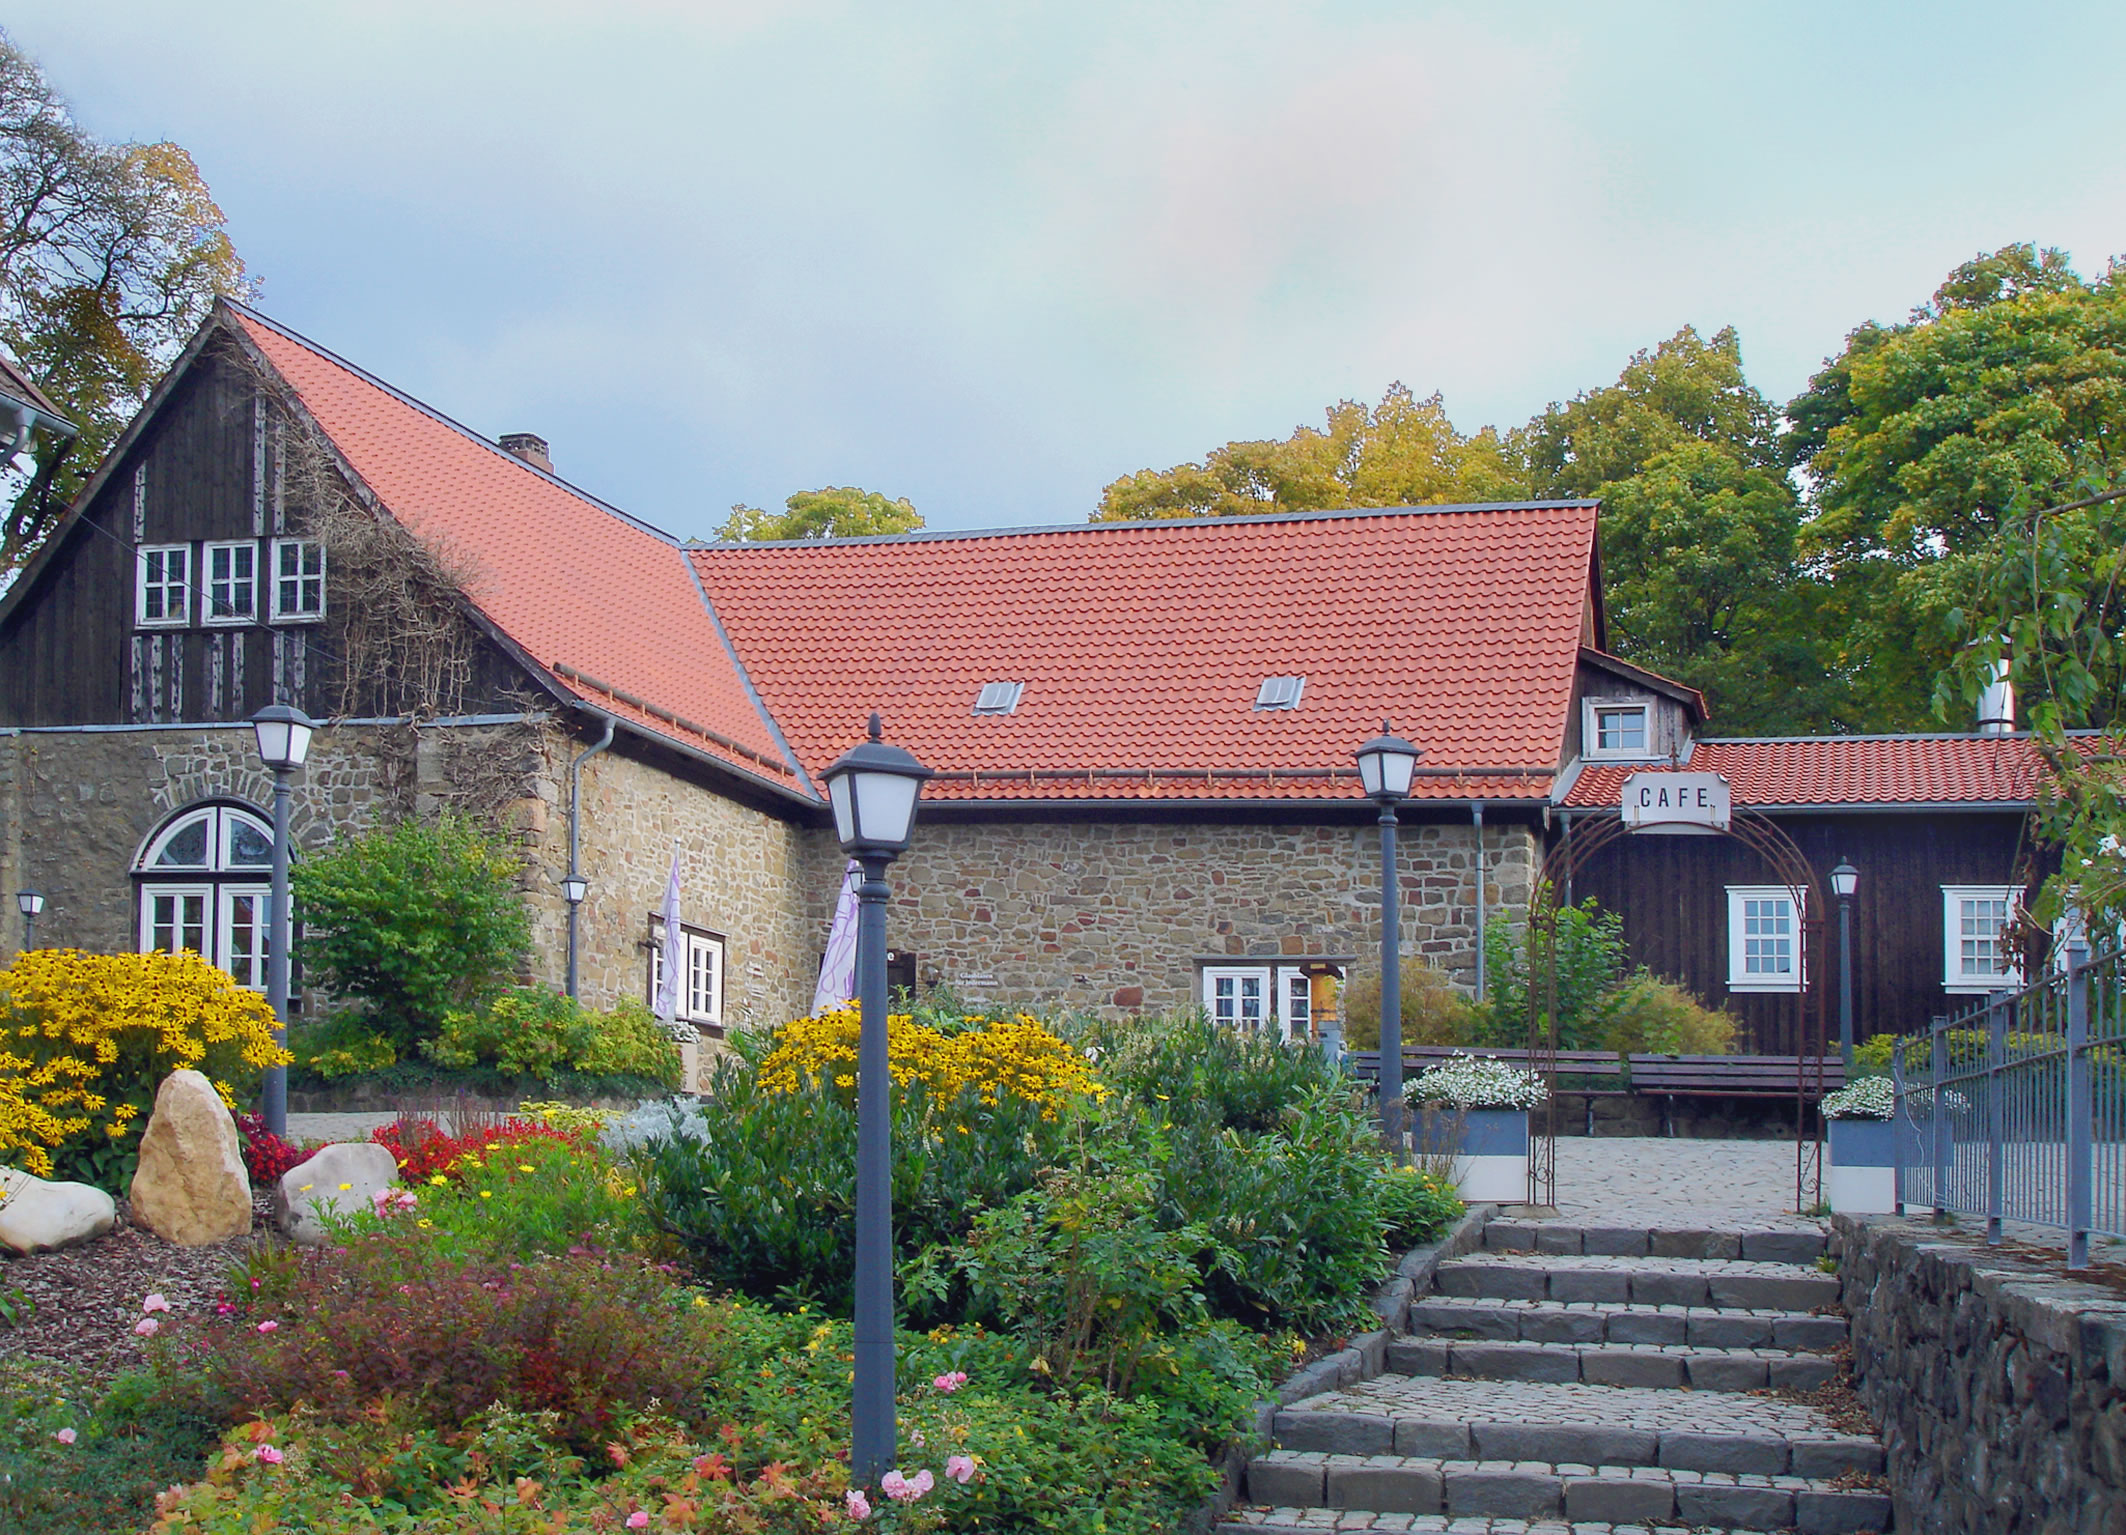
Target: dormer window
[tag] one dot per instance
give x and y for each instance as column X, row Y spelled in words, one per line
column 1617, row 728
column 1280, row 692
column 999, row 698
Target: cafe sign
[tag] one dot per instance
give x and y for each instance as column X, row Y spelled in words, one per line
column 1664, row 799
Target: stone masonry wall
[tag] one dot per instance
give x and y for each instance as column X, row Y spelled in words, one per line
column 1999, row 1382
column 1112, row 916
column 742, row 873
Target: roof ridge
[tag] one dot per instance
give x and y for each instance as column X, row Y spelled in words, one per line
column 437, row 416
column 940, row 535
column 1903, row 735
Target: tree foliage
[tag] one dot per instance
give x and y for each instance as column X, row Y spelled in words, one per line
column 1402, row 452
column 839, row 511
column 411, row 923
column 1926, row 442
column 110, row 256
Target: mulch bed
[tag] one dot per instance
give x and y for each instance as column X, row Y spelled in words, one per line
column 87, row 1298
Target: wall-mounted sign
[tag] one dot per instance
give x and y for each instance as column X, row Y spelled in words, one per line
column 1664, row 799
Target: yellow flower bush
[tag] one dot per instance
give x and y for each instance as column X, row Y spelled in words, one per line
column 1017, row 1056
column 85, row 1039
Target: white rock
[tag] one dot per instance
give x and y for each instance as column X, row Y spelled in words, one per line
column 340, row 1179
column 36, row 1216
column 191, row 1187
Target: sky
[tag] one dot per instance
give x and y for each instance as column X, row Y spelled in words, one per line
column 991, row 257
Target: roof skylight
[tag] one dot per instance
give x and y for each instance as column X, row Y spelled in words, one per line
column 998, row 697
column 1280, row 692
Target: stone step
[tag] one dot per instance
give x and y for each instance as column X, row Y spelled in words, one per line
column 1575, row 1491
column 1652, row 1365
column 1316, row 1521
column 1737, row 1283
column 1801, row 1241
column 1465, row 1316
column 1452, row 1419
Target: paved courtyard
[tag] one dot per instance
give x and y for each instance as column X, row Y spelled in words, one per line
column 1657, row 1181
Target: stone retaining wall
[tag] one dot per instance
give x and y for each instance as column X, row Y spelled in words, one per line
column 2000, row 1383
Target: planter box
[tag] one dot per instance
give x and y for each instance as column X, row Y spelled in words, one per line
column 1492, row 1167
column 1863, row 1169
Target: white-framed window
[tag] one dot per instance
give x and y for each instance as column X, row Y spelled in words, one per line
column 1616, row 727
column 162, row 586
column 298, row 580
column 231, row 572
column 1259, row 997
column 1764, row 951
column 204, row 885
column 701, row 961
column 1977, row 954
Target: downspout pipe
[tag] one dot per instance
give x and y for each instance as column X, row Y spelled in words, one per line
column 1476, row 818
column 575, row 827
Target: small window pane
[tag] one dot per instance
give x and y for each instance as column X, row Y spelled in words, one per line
column 232, row 581
column 245, row 938
column 1980, row 951
column 1768, row 937
column 187, row 849
column 177, row 921
column 1280, row 692
column 249, row 847
column 165, row 574
column 998, row 697
column 299, row 578
column 1620, row 730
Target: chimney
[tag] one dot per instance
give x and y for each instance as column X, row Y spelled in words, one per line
column 530, row 447
column 1996, row 706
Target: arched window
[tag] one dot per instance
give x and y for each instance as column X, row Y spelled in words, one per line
column 205, row 883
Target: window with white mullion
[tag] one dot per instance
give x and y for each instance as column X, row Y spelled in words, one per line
column 232, row 583
column 1764, row 938
column 1978, row 952
column 298, row 580
column 162, row 587
column 700, row 957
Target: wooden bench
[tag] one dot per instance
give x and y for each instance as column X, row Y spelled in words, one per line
column 1574, row 1068
column 1670, row 1077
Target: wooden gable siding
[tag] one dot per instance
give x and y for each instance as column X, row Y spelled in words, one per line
column 1672, row 893
column 204, row 469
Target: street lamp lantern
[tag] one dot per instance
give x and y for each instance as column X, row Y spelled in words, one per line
column 31, row 905
column 1386, row 764
column 574, row 889
column 283, row 745
column 1845, row 879
column 283, row 736
column 873, row 788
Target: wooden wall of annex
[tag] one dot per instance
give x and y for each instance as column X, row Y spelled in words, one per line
column 1672, row 893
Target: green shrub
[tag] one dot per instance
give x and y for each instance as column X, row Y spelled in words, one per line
column 123, row 1450
column 1649, row 1016
column 1418, row 1206
column 1588, row 945
column 1195, row 1069
column 412, row 921
column 1433, row 1012
column 536, row 1032
column 338, row 1045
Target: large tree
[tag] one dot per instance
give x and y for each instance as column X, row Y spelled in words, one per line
column 1928, row 444
column 839, row 511
column 1403, row 452
column 110, row 256
column 1698, row 528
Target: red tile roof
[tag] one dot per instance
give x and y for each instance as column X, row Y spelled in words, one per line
column 1848, row 770
column 1141, row 647
column 608, row 605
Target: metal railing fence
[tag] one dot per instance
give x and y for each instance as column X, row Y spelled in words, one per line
column 2016, row 1108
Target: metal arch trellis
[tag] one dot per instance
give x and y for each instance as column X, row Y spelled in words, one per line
column 1587, row 835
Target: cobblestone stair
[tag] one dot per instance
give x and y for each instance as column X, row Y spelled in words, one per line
column 1587, row 1379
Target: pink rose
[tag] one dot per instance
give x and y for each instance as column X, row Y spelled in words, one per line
column 906, row 1489
column 64, row 1436
column 146, row 1326
column 269, row 1327
column 155, row 1302
column 859, row 1505
column 269, row 1454
column 638, row 1520
column 951, row 1382
column 960, row 1468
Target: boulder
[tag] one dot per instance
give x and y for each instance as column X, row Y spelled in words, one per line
column 191, row 1187
column 340, row 1178
column 36, row 1216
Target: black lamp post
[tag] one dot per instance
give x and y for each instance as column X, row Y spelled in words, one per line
column 283, row 744
column 573, row 889
column 873, row 789
column 30, row 904
column 1385, row 766
column 1845, row 879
